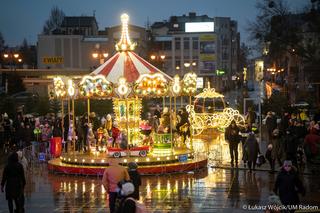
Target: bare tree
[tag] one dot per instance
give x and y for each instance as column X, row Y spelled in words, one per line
column 54, row 21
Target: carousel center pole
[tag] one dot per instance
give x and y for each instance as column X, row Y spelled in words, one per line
column 62, row 119
column 127, row 125
column 69, row 118
column 74, row 127
column 171, row 117
column 88, row 108
column 191, row 135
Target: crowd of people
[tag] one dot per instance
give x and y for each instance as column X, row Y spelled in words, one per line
column 292, row 139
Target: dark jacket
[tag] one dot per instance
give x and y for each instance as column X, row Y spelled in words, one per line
column 252, row 148
column 13, row 178
column 289, row 185
column 136, row 180
column 232, row 134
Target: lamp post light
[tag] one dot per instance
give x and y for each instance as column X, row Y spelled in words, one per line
column 101, row 56
column 13, row 59
column 158, row 59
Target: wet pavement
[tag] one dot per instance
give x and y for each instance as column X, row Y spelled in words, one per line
column 216, row 189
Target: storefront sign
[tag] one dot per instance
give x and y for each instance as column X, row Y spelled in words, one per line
column 53, row 60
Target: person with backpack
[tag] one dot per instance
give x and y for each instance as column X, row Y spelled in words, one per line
column 135, row 178
column 112, row 175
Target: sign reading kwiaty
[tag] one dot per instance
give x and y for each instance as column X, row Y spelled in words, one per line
column 53, row 60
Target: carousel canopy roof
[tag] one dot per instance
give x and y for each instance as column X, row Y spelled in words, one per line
column 125, row 63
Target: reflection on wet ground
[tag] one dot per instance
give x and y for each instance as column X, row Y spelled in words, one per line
column 205, row 191
column 210, row 190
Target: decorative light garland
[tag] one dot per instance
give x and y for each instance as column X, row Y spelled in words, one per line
column 125, row 43
column 151, row 85
column 189, row 83
column 201, row 121
column 95, row 86
column 59, row 87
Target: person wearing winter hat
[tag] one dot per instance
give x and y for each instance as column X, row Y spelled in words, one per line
column 135, row 178
column 288, row 185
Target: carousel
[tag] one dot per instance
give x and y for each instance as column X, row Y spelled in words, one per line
column 126, row 79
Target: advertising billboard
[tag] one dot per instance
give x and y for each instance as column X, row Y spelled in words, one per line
column 207, row 53
column 197, row 27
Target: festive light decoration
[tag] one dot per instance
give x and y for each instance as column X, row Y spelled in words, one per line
column 71, row 90
column 151, row 85
column 59, row 87
column 125, row 43
column 123, row 89
column 189, row 83
column 176, row 88
column 95, row 86
column 209, row 93
column 201, row 121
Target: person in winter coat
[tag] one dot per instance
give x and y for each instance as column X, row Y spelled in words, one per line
column 288, row 185
column 112, row 175
column 14, row 181
column 135, row 179
column 271, row 123
column 252, row 149
column 291, row 146
column 233, row 138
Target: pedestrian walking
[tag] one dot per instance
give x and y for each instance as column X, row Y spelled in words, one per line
column 252, row 149
column 288, row 185
column 13, row 180
column 233, row 138
column 112, row 175
column 135, row 179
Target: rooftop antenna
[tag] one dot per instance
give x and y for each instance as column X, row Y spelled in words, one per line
column 94, row 13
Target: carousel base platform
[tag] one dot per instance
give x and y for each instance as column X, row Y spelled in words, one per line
column 181, row 160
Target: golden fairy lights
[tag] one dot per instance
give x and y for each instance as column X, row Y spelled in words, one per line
column 125, row 43
column 209, row 93
column 95, row 86
column 201, row 121
column 59, row 87
column 151, row 85
column 189, row 83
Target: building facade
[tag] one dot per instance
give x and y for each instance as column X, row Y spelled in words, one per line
column 71, row 47
column 205, row 45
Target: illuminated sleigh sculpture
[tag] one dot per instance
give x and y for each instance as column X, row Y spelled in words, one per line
column 215, row 119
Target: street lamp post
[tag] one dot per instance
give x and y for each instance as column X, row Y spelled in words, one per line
column 158, row 59
column 99, row 54
column 13, row 59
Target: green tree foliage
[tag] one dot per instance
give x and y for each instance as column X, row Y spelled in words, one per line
column 54, row 21
column 2, row 47
column 43, row 106
column 276, row 103
column 15, row 84
column 28, row 54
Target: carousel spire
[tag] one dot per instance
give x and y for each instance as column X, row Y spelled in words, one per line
column 125, row 43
